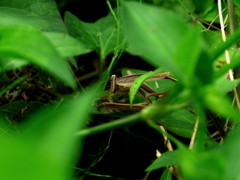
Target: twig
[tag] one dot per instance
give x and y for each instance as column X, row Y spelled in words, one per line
column 194, row 134
column 215, row 19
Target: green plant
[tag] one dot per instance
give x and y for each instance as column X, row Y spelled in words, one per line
column 44, row 145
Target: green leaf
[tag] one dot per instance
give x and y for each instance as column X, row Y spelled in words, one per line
column 219, row 103
column 204, row 69
column 156, row 35
column 11, row 109
column 230, row 149
column 102, row 34
column 27, row 43
column 168, row 158
column 223, row 70
column 139, row 81
column 47, row 145
column 67, row 45
column 199, row 166
column 41, row 14
column 212, row 39
column 224, row 85
column 187, row 53
column 180, row 122
column 166, row 175
column 237, row 3
column 230, row 41
column 202, row 6
column 10, row 64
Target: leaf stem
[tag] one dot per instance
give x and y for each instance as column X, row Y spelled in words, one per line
column 108, row 126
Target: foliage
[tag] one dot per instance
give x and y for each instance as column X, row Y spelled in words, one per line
column 42, row 140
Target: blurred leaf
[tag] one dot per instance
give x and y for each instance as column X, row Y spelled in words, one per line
column 41, row 14
column 224, row 68
column 11, row 109
column 224, row 85
column 219, row 103
column 199, row 166
column 168, row 158
column 203, row 6
column 166, row 175
column 47, row 146
column 180, row 122
column 230, row 149
column 10, row 64
column 230, row 41
column 212, row 39
column 237, row 3
column 156, row 35
column 139, row 81
column 204, row 68
column 103, row 33
column 188, row 51
column 27, row 43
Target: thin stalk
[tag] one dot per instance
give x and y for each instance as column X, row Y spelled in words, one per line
column 110, row 125
column 12, row 85
column 236, row 70
column 232, row 25
column 232, row 28
column 193, row 18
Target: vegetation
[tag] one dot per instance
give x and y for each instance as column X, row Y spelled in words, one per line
column 59, row 120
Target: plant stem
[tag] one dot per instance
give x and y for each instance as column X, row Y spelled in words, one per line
column 232, row 28
column 108, row 126
column 232, row 25
column 9, row 87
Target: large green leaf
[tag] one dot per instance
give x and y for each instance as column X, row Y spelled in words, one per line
column 102, row 34
column 156, row 35
column 42, row 14
column 27, row 43
column 47, row 146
